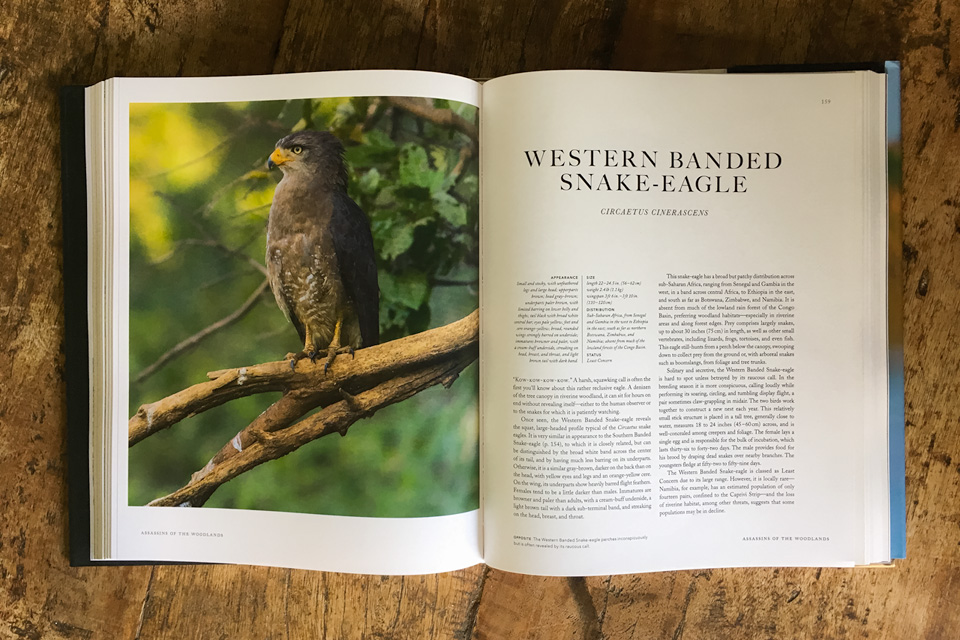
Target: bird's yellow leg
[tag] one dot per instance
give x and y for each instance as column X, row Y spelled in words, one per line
column 309, row 350
column 335, row 347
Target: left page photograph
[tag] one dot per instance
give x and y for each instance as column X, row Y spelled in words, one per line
column 290, row 296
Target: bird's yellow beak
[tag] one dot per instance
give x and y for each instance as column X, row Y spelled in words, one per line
column 280, row 156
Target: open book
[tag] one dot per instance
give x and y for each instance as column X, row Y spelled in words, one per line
column 567, row 323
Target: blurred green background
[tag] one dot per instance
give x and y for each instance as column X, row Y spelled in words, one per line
column 199, row 200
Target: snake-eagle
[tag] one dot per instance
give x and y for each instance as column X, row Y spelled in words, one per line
column 320, row 255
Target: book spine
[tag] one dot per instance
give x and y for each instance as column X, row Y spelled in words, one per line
column 76, row 351
column 897, row 458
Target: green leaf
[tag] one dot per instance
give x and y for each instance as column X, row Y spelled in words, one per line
column 378, row 149
column 466, row 111
column 449, row 209
column 369, row 155
column 409, row 289
column 439, row 157
column 400, row 239
column 380, row 139
column 415, row 169
column 369, row 181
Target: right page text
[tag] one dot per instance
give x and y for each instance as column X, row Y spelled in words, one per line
column 672, row 321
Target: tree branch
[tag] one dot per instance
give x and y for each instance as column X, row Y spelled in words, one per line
column 210, row 239
column 442, row 117
column 446, row 282
column 379, row 376
column 196, row 338
column 189, row 163
column 308, row 384
column 234, row 460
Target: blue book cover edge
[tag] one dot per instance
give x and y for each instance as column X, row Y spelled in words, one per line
column 898, row 497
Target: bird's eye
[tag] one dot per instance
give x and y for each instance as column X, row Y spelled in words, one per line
column 297, row 149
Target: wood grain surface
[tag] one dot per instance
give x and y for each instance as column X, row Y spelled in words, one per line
column 45, row 44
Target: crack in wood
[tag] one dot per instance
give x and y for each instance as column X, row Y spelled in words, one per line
column 586, row 607
column 473, row 609
column 146, row 600
column 678, row 632
column 606, row 600
column 286, row 603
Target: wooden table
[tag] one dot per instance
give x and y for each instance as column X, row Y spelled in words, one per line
column 45, row 44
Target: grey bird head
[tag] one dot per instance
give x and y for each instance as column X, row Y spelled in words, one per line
column 317, row 155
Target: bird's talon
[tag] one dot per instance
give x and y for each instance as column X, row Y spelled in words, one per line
column 295, row 358
column 331, row 356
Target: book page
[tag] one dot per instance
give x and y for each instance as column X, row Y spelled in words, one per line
column 215, row 276
column 673, row 321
